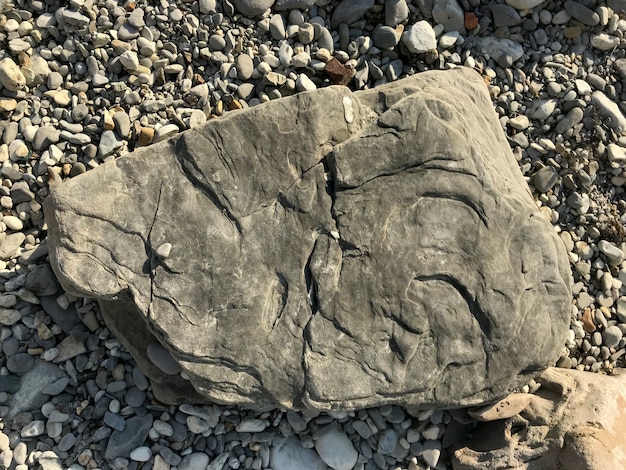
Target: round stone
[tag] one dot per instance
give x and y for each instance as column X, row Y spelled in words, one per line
column 385, row 37
column 336, row 450
column 612, row 336
column 244, row 66
column 387, row 441
column 20, row 363
column 141, row 454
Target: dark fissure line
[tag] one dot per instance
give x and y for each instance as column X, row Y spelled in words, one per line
column 414, row 167
column 311, row 287
column 283, row 297
column 194, row 174
column 148, row 245
column 474, row 307
column 462, row 199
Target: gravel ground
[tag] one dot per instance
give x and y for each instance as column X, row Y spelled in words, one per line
column 87, row 81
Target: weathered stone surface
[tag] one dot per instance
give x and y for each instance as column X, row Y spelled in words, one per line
column 575, row 421
column 329, row 250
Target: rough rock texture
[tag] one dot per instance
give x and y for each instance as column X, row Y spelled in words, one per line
column 329, row 250
column 575, row 421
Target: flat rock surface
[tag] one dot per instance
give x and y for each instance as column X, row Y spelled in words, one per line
column 574, row 421
column 329, row 250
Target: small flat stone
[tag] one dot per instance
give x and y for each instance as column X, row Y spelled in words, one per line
column 274, row 78
column 20, row 363
column 296, row 421
column 449, row 39
column 277, row 27
column 69, row 347
column 449, row 14
column 288, row 454
column 252, row 425
column 67, row 442
column 122, row 123
column 581, row 13
column 197, row 425
column 74, row 18
column 604, row 41
column 195, row 461
column 10, row 244
column 11, row 77
column 612, row 336
column 336, row 450
column 349, row 11
column 616, row 154
column 306, row 33
column 396, row 11
column 524, row 5
column 9, row 316
column 163, row 428
column 304, row 83
column 301, row 60
column 164, row 250
column 573, row 117
column 62, row 98
column 431, row 453
column 387, row 441
column 165, row 132
column 109, row 143
column 613, row 253
column 41, row 281
column 33, row 429
column 141, row 454
column 385, row 37
column 520, row 122
column 146, row 136
column 244, row 66
column 420, row 38
column 121, row 443
column 134, row 396
column 542, row 109
column 252, row 8
column 114, row 421
column 545, row 179
column 127, row 32
column 504, row 15
column 7, row 104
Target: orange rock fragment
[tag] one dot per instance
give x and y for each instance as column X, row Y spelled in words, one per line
column 145, row 136
column 588, row 324
column 338, row 73
column 471, row 21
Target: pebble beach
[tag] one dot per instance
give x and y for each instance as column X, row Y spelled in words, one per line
column 87, row 81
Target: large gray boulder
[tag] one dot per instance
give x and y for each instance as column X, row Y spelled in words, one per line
column 331, row 250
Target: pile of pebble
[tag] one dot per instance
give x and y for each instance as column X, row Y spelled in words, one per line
column 85, row 81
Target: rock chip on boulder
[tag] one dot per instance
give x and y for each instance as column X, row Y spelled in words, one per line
column 388, row 248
